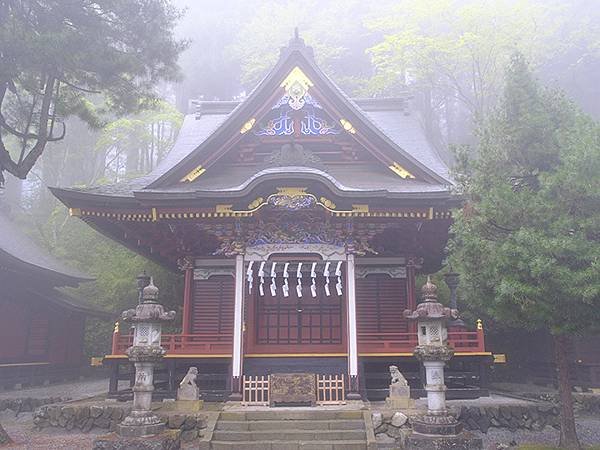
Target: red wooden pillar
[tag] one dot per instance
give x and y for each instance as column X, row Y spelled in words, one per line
column 411, row 292
column 187, row 300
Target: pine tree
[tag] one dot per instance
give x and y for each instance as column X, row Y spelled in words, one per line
column 528, row 239
column 88, row 59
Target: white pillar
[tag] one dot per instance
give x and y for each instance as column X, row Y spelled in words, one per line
column 435, row 387
column 352, row 334
column 238, row 319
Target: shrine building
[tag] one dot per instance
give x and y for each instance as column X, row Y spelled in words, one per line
column 300, row 219
column 42, row 327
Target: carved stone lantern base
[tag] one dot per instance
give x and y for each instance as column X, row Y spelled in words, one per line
column 462, row 441
column 437, row 425
column 166, row 440
column 141, row 423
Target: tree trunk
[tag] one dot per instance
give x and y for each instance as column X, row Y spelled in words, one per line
column 4, row 437
column 568, row 433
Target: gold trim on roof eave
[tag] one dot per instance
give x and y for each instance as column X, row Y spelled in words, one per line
column 222, row 210
column 401, row 171
column 193, row 174
column 247, row 126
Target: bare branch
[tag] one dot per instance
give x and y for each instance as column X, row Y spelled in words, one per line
column 62, row 134
column 15, row 132
column 79, row 88
column 43, row 138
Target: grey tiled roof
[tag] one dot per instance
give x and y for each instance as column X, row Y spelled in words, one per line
column 406, row 130
column 14, row 244
column 194, row 131
column 400, row 125
column 348, row 179
column 392, row 124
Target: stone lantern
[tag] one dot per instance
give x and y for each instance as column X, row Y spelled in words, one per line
column 146, row 352
column 433, row 351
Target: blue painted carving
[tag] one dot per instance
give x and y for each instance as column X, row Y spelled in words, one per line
column 280, row 126
column 314, row 121
column 315, row 126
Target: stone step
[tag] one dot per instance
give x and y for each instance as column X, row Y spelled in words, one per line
column 265, row 425
column 286, row 414
column 286, row 445
column 289, row 435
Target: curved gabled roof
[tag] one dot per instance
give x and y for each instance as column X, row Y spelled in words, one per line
column 20, row 251
column 389, row 128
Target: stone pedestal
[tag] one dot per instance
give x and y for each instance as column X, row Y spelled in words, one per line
column 142, row 421
column 183, row 406
column 435, row 387
column 399, row 397
column 166, row 440
column 462, row 441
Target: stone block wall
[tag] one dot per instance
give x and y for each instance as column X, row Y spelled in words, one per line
column 513, row 417
column 106, row 417
column 586, row 403
column 388, row 424
column 28, row 404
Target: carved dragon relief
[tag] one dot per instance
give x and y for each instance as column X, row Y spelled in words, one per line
column 301, row 230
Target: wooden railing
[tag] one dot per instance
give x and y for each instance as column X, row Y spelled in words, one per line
column 182, row 344
column 461, row 341
column 221, row 344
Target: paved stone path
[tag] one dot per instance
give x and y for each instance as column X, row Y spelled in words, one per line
column 74, row 390
column 20, row 428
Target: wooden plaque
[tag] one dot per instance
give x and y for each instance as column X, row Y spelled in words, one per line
column 292, row 389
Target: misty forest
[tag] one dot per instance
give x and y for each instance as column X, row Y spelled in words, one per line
column 509, row 96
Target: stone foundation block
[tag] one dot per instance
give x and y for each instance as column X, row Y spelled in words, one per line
column 399, row 402
column 167, row 440
column 462, row 441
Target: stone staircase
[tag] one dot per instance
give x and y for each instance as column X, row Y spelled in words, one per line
column 288, row 429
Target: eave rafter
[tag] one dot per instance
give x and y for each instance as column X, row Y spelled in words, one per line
column 285, row 197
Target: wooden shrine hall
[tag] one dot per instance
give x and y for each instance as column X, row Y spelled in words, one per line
column 41, row 326
column 300, row 219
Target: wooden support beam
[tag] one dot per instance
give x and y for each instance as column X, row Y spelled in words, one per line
column 187, row 300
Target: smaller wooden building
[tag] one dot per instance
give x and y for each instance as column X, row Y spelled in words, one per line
column 41, row 327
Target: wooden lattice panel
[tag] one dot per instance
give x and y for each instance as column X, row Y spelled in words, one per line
column 255, row 389
column 331, row 390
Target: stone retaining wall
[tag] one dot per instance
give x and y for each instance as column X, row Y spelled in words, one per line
column 28, row 404
column 388, row 424
column 513, row 417
column 582, row 402
column 107, row 417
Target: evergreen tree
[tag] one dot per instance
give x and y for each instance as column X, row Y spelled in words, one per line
column 528, row 239
column 57, row 57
